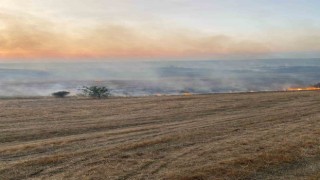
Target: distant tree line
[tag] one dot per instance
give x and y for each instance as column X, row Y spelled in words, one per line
column 98, row 92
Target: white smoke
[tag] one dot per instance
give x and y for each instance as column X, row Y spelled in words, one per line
column 149, row 78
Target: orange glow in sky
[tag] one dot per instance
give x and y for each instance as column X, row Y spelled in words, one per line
column 176, row 29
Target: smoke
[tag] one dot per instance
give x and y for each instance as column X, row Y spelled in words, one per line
column 151, row 78
column 27, row 36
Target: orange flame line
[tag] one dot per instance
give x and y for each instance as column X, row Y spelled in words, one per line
column 304, row 89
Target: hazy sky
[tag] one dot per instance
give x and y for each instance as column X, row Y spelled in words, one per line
column 153, row 29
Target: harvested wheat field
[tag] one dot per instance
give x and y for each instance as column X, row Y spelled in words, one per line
column 274, row 135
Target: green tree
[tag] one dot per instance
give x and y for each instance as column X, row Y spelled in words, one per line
column 96, row 91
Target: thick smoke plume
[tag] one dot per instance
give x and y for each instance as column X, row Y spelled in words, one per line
column 154, row 78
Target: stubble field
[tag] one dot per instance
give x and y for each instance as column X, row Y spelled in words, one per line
column 274, row 135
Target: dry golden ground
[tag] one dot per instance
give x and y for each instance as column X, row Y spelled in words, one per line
column 224, row 136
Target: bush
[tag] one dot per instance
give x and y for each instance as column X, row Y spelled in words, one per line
column 96, row 91
column 60, row 94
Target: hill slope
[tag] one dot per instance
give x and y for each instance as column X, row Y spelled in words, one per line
column 223, row 136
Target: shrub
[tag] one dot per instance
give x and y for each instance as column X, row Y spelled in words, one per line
column 60, row 94
column 96, row 91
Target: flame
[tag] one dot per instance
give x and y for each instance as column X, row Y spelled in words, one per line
column 304, row 89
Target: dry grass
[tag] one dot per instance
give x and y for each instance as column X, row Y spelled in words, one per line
column 224, row 136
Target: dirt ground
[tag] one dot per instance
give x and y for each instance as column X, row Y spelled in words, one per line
column 274, row 135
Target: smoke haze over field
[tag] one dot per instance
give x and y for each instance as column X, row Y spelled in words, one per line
column 150, row 78
column 153, row 30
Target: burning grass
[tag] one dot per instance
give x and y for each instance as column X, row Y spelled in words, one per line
column 315, row 87
column 304, row 89
column 225, row 136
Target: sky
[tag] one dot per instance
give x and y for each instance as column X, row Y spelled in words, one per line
column 158, row 30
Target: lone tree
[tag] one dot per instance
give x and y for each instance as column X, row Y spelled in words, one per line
column 96, row 91
column 60, row 94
